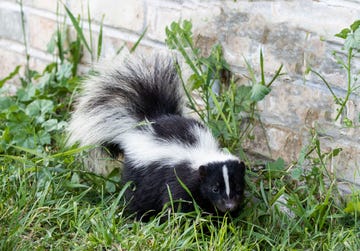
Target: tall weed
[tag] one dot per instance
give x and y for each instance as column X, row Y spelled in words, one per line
column 351, row 37
column 225, row 106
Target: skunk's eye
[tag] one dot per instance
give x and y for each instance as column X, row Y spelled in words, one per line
column 215, row 189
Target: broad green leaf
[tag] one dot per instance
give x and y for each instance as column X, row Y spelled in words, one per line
column 353, row 41
column 27, row 93
column 22, row 139
column 50, row 125
column 344, row 33
column 348, row 122
column 349, row 42
column 5, row 103
column 44, row 137
column 355, row 25
column 258, row 92
column 18, row 118
column 75, row 179
column 352, row 207
column 277, row 165
column 357, row 35
column 110, row 187
column 242, row 98
column 336, row 152
column 187, row 26
column 65, row 71
column 39, row 107
column 296, row 173
column 276, row 168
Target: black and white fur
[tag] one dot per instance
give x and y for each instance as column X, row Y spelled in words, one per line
column 137, row 109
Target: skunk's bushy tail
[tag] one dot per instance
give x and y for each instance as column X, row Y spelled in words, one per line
column 120, row 97
column 149, row 88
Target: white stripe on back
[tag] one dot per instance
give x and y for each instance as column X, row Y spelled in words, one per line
column 226, row 179
column 142, row 148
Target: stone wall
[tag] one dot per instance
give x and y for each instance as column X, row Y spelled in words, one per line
column 294, row 33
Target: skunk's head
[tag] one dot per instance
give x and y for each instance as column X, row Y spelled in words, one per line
column 223, row 183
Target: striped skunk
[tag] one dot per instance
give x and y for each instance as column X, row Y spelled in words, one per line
column 137, row 110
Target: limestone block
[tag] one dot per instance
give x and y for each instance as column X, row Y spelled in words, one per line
column 43, row 4
column 158, row 19
column 128, row 15
column 12, row 60
column 162, row 14
column 40, row 31
column 275, row 142
column 296, row 104
column 10, row 21
column 346, row 165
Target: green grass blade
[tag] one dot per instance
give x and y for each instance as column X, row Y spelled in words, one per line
column 59, row 45
column 171, row 199
column 120, row 49
column 78, row 28
column 197, row 210
column 251, row 72
column 138, row 41
column 262, row 68
column 190, row 98
column 116, row 202
column 277, row 74
column 28, row 150
column 100, row 39
column 10, row 76
column 277, row 196
column 337, row 101
column 220, row 110
column 70, row 152
column 90, row 30
column 172, row 36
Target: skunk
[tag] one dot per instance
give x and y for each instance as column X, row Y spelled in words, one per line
column 137, row 109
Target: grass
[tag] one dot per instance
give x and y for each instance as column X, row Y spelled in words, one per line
column 57, row 206
column 48, row 201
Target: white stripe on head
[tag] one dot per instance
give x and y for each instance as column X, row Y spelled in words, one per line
column 226, row 179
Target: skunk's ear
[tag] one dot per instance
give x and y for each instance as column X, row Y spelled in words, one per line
column 202, row 171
